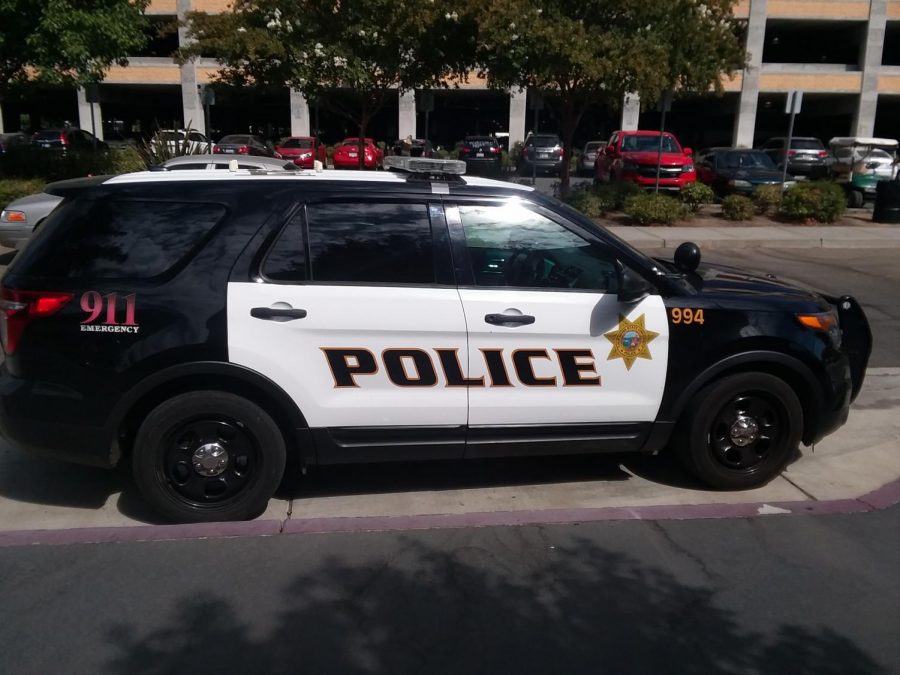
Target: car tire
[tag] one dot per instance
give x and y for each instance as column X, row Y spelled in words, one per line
column 855, row 199
column 208, row 456
column 741, row 431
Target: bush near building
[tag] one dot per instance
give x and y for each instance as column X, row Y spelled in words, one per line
column 597, row 200
column 697, row 195
column 737, row 207
column 822, row 201
column 655, row 209
column 767, row 199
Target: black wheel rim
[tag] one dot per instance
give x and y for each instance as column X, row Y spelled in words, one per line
column 747, row 431
column 210, row 461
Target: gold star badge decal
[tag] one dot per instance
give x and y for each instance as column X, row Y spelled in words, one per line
column 630, row 341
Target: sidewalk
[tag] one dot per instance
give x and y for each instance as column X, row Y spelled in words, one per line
column 776, row 236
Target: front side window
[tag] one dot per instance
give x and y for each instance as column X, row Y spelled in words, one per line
column 512, row 246
column 378, row 243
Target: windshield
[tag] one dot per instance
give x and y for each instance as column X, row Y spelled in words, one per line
column 545, row 141
column 297, row 143
column 745, row 160
column 649, row 143
column 806, row 144
column 480, row 141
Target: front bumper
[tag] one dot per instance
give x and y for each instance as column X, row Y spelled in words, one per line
column 669, row 184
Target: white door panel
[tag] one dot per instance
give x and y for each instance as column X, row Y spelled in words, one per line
column 372, row 318
column 567, row 322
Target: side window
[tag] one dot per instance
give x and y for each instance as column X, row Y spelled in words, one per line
column 186, row 167
column 387, row 243
column 511, row 246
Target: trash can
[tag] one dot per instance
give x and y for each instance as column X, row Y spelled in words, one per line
column 887, row 202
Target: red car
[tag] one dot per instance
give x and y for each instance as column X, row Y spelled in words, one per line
column 346, row 155
column 632, row 156
column 302, row 150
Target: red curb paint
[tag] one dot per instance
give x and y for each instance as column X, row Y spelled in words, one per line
column 884, row 497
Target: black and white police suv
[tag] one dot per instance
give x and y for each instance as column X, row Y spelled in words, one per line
column 208, row 328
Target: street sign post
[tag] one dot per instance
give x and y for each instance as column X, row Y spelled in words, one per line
column 425, row 103
column 792, row 107
column 92, row 96
column 536, row 103
column 664, row 105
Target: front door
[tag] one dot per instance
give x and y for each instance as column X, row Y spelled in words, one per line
column 350, row 319
column 550, row 345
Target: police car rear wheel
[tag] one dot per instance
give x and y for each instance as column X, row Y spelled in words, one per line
column 741, row 431
column 208, row 456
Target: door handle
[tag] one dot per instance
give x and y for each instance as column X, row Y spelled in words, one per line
column 506, row 319
column 277, row 313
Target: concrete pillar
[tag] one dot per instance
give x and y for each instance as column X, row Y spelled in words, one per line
column 864, row 117
column 406, row 120
column 84, row 115
column 517, row 114
column 745, row 124
column 191, row 103
column 299, row 114
column 631, row 112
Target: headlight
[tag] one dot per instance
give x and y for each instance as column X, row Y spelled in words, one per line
column 687, row 168
column 306, row 155
column 737, row 183
column 13, row 216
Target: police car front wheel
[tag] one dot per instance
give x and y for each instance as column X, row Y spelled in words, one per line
column 740, row 431
column 208, row 456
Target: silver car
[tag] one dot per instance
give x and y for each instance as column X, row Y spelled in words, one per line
column 589, row 156
column 20, row 217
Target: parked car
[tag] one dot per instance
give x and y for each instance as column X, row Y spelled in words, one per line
column 860, row 163
column 67, row 139
column 737, row 170
column 12, row 140
column 807, row 156
column 205, row 332
column 20, row 217
column 413, row 147
column 589, row 157
column 244, row 144
column 117, row 140
column 542, row 153
column 302, row 150
column 191, row 140
column 632, row 156
column 482, row 154
column 346, row 155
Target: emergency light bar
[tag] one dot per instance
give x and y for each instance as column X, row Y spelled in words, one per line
column 421, row 165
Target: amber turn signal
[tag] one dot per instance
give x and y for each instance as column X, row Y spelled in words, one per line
column 12, row 216
column 824, row 321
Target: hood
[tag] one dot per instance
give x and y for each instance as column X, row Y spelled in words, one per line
column 649, row 157
column 736, row 282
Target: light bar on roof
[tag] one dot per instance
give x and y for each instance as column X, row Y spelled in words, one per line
column 426, row 166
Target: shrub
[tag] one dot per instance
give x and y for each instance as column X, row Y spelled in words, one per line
column 646, row 209
column 767, row 198
column 14, row 188
column 737, row 207
column 597, row 200
column 28, row 162
column 823, row 201
column 695, row 195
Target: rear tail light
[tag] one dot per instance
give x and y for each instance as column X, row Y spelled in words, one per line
column 217, row 150
column 791, row 153
column 560, row 152
column 18, row 308
column 243, row 150
column 524, row 152
column 823, row 153
column 62, row 138
column 13, row 216
column 465, row 151
column 495, row 150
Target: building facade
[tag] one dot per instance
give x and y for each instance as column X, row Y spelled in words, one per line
column 843, row 54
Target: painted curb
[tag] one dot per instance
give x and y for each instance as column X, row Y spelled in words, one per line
column 877, row 500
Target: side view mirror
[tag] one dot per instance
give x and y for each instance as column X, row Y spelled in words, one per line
column 632, row 286
column 688, row 151
column 687, row 257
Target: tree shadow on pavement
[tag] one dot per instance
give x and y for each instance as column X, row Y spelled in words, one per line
column 568, row 609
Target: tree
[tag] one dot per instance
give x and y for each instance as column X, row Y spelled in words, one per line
column 67, row 41
column 579, row 53
column 370, row 50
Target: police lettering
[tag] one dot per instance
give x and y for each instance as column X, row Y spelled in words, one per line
column 412, row 367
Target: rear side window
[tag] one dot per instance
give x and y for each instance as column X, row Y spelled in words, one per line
column 380, row 243
column 113, row 239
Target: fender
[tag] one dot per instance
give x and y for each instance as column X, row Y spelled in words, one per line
column 221, row 369
column 671, row 410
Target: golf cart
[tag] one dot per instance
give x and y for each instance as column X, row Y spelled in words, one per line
column 860, row 163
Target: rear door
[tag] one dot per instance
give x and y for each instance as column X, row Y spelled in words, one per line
column 354, row 314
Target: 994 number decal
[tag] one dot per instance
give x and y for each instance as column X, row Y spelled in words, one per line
column 687, row 315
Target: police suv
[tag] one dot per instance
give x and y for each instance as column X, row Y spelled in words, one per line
column 212, row 329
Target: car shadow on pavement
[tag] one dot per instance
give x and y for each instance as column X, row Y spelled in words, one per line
column 576, row 607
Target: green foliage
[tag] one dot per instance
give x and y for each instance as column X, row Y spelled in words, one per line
column 68, row 41
column 696, row 195
column 823, row 201
column 49, row 165
column 157, row 150
column 767, row 199
column 14, row 188
column 737, row 207
column 649, row 209
column 597, row 200
column 586, row 200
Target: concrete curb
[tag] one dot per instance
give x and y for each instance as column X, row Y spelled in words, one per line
column 775, row 236
column 882, row 498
